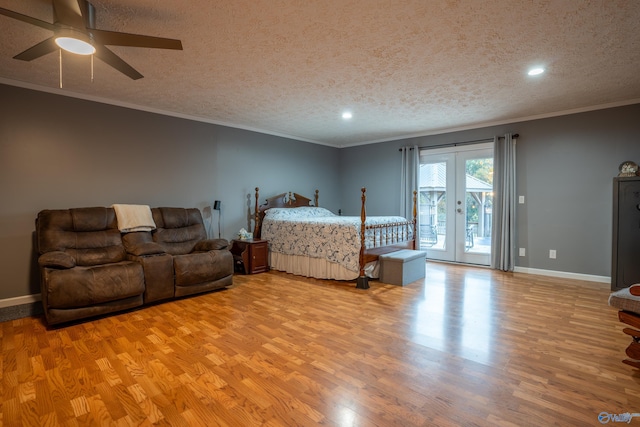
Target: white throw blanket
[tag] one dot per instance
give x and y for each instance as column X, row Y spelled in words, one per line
column 134, row 218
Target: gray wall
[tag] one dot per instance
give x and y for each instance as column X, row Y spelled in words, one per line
column 565, row 170
column 61, row 152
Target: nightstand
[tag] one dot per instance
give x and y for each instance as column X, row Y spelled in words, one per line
column 251, row 256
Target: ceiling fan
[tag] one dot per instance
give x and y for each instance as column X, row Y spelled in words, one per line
column 74, row 30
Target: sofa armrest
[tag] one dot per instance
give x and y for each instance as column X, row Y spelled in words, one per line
column 147, row 248
column 56, row 259
column 141, row 244
column 212, row 245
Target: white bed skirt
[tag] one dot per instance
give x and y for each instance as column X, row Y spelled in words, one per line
column 317, row 267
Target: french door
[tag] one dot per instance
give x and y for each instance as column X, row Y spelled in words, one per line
column 456, row 200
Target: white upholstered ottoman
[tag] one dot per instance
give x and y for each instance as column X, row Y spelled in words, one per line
column 402, row 267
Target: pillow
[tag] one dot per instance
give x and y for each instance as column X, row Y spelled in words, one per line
column 313, row 212
column 297, row 213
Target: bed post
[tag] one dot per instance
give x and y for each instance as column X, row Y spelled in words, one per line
column 416, row 244
column 362, row 282
column 316, row 198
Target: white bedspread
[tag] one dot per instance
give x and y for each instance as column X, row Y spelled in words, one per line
column 318, row 233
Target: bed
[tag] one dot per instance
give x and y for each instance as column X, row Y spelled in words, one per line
column 308, row 240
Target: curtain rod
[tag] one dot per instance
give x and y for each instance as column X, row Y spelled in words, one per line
column 455, row 144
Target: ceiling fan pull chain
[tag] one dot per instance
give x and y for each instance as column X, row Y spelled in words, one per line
column 60, row 62
column 92, row 68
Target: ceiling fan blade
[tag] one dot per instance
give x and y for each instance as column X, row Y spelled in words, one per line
column 27, row 19
column 43, row 48
column 116, row 62
column 114, row 38
column 68, row 12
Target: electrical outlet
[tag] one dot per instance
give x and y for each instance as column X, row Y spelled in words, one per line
column 552, row 253
column 522, row 252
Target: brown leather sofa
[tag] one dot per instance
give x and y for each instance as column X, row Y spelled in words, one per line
column 89, row 268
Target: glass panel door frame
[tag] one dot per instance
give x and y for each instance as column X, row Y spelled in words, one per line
column 452, row 239
column 436, row 224
column 469, row 241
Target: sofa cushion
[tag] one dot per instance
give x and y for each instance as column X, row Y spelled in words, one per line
column 197, row 268
column 178, row 229
column 85, row 286
column 89, row 235
column 91, row 219
column 211, row 245
column 176, row 217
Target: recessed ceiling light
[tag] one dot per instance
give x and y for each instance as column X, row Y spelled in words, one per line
column 347, row 115
column 536, row 71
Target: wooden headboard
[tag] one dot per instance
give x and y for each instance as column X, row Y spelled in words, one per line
column 284, row 200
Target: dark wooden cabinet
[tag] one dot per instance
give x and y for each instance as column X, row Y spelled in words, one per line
column 251, row 256
column 625, row 265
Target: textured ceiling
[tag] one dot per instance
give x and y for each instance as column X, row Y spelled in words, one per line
column 403, row 67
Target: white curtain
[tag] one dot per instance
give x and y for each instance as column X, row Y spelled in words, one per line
column 409, row 182
column 503, row 239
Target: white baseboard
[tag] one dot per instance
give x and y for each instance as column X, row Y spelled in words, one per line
column 563, row 274
column 26, row 299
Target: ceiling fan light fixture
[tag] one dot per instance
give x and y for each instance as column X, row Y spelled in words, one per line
column 75, row 45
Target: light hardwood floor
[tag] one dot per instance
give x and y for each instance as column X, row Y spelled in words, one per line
column 463, row 347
